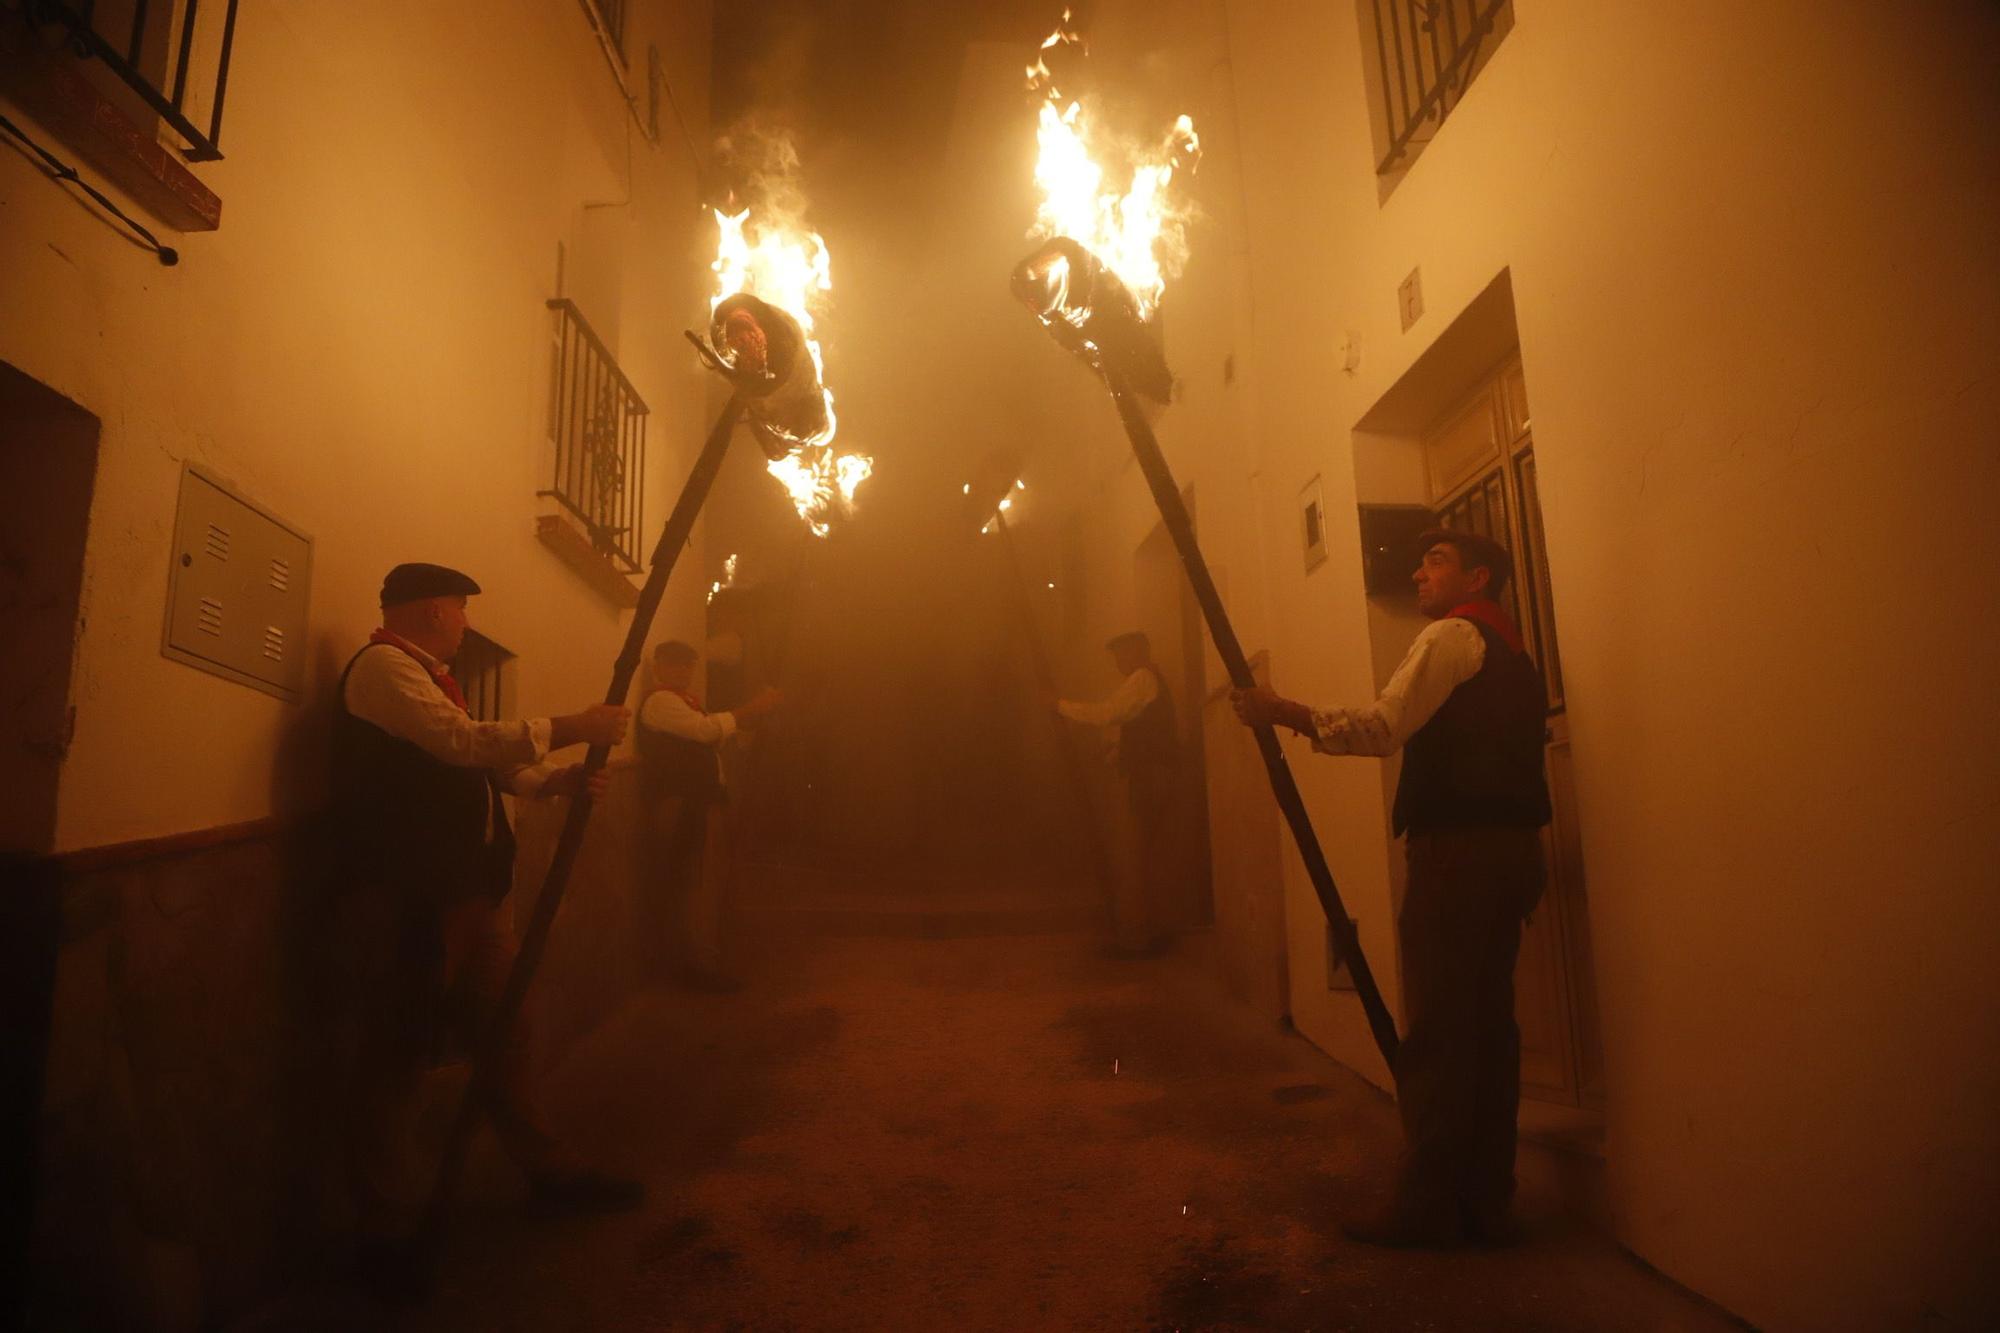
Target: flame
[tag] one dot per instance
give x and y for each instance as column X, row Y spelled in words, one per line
column 792, row 270
column 728, row 579
column 1006, row 505
column 1139, row 233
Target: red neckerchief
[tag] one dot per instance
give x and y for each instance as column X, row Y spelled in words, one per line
column 693, row 700
column 441, row 673
column 1489, row 614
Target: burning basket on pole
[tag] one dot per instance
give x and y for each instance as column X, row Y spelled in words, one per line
column 773, row 369
column 1093, row 283
column 1091, row 313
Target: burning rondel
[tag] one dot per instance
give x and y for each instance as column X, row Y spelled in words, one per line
column 1094, row 283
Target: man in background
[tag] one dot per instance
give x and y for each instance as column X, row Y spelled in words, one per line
column 1466, row 707
column 683, row 797
column 1148, row 763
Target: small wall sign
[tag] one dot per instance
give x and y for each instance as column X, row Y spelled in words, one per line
column 1312, row 524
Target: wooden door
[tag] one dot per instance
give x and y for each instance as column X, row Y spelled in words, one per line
column 1481, row 461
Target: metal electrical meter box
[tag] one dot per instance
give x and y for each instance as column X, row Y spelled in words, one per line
column 237, row 592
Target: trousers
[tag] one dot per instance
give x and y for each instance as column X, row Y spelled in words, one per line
column 395, row 1048
column 1146, row 863
column 687, row 866
column 1458, row 1072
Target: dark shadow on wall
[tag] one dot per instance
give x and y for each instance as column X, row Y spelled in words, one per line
column 320, row 956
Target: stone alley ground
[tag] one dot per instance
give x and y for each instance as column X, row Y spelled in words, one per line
column 949, row 1128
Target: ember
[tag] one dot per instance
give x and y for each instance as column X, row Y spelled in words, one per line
column 1088, row 310
column 765, row 347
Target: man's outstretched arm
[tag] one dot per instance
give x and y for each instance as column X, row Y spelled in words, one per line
column 1446, row 655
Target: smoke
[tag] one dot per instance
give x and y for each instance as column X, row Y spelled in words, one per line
column 758, row 161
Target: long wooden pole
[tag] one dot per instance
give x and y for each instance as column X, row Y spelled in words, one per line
column 1045, row 678
column 1146, row 447
column 488, row 1051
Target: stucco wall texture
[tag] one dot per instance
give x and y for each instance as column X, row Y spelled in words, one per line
column 363, row 349
column 1750, row 252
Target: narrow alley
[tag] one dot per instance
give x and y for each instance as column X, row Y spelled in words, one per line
column 932, row 1125
column 1367, row 715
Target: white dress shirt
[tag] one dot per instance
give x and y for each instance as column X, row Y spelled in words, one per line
column 395, row 687
column 1120, row 706
column 667, row 711
column 1446, row 655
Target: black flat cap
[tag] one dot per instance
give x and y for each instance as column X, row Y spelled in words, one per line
column 1133, row 637
column 414, row 582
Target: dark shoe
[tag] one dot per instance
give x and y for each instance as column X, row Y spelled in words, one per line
column 582, row 1190
column 1397, row 1230
column 395, row 1273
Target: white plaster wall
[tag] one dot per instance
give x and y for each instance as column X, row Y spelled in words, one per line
column 1752, row 259
column 362, row 347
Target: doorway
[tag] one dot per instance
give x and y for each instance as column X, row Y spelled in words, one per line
column 48, row 468
column 48, row 465
column 1481, row 468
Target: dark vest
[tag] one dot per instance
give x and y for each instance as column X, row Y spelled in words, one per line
column 1150, row 740
column 407, row 819
column 1478, row 761
column 677, row 766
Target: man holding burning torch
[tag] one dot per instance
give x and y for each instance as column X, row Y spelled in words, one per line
column 1466, row 707
column 1148, row 758
column 426, row 843
column 683, row 793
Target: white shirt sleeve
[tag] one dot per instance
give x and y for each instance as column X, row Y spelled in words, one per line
column 1446, row 655
column 1119, row 707
column 391, row 689
column 527, row 780
column 666, row 711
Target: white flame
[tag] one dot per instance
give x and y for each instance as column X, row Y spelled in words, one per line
column 1006, row 505
column 792, row 270
column 728, row 579
column 1139, row 233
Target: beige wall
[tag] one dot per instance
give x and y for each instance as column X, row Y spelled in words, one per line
column 362, row 348
column 1751, row 256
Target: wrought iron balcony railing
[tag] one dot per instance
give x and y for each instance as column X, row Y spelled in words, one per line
column 598, row 424
column 173, row 53
column 1428, row 51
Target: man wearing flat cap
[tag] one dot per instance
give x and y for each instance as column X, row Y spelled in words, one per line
column 1466, row 707
column 1147, row 754
column 417, row 786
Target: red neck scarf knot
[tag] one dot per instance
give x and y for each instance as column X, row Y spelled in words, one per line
column 1487, row 612
column 440, row 671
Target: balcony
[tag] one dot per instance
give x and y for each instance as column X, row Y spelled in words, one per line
column 1426, row 54
column 597, row 425
column 135, row 87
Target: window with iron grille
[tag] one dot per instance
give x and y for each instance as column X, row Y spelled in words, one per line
column 597, row 423
column 165, row 58
column 1420, row 57
column 481, row 669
